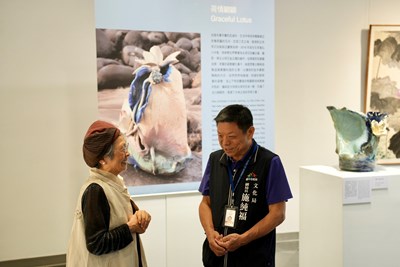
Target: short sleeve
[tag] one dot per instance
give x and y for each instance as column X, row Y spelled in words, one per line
column 278, row 188
column 204, row 187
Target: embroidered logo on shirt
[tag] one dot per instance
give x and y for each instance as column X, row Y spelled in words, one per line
column 249, row 195
column 251, row 177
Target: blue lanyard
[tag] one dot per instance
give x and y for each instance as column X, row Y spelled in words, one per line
column 240, row 177
column 233, row 187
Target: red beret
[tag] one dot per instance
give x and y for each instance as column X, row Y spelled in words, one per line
column 98, row 140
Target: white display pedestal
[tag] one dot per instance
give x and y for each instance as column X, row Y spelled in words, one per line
column 363, row 234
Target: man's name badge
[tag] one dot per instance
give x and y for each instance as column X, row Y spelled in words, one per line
column 230, row 217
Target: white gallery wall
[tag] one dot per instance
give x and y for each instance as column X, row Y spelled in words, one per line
column 46, row 103
column 48, row 98
column 320, row 60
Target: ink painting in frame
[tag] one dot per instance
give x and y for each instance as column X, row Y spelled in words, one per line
column 382, row 93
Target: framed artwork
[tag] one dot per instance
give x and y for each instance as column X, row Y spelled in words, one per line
column 382, row 92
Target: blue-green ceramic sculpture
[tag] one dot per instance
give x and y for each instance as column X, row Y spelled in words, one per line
column 357, row 137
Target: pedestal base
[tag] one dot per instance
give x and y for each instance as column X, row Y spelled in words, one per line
column 334, row 234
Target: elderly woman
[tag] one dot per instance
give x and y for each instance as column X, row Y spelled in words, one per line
column 107, row 222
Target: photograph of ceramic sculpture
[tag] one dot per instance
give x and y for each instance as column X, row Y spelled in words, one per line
column 149, row 86
column 357, row 137
column 383, row 87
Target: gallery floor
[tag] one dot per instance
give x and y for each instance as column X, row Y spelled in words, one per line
column 287, row 250
column 287, row 255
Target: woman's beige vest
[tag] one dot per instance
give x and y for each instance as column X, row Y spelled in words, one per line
column 120, row 206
